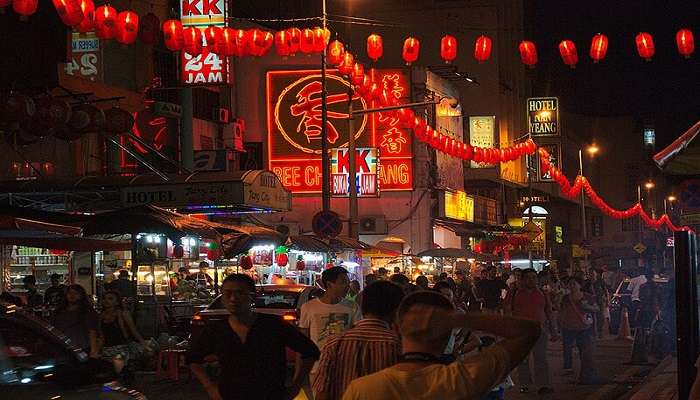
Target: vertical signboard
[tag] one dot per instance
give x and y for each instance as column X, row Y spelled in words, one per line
column 543, row 116
column 206, row 68
column 366, row 172
column 84, row 57
column 482, row 134
column 554, row 151
column 294, row 128
column 456, row 204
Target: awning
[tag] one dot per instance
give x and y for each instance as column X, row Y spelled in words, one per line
column 471, row 229
column 49, row 240
column 682, row 157
column 342, row 243
column 380, row 252
column 245, row 237
column 448, row 253
column 8, row 222
column 310, row 243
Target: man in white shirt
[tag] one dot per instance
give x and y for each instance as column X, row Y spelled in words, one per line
column 636, row 283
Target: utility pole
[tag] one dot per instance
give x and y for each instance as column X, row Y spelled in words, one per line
column 528, row 163
column 352, row 173
column 583, row 207
column 325, row 167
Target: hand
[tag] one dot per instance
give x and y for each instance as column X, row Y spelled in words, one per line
column 213, row 392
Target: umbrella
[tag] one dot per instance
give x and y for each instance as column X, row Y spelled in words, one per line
column 448, row 252
column 341, row 243
column 310, row 243
column 245, row 237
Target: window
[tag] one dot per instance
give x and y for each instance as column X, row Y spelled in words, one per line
column 630, row 224
column 597, row 225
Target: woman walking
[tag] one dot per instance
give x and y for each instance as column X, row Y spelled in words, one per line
column 576, row 320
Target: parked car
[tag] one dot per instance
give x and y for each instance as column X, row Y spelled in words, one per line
column 282, row 300
column 38, row 362
column 622, row 298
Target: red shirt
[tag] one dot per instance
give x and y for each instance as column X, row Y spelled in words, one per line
column 529, row 304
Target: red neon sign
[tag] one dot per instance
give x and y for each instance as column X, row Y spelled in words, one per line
column 294, row 128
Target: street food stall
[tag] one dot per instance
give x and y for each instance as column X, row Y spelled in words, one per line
column 448, row 260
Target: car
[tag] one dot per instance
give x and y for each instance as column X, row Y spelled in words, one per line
column 622, row 298
column 282, row 300
column 38, row 362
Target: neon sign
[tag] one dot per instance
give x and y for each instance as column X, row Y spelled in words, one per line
column 366, row 172
column 294, row 128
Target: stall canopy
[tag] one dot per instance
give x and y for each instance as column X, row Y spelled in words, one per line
column 245, row 237
column 310, row 243
column 448, row 253
column 682, row 157
column 341, row 243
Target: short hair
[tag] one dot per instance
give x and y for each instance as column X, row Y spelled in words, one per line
column 29, row 280
column 241, row 278
column 332, row 274
column 441, row 285
column 183, row 269
column 382, row 270
column 381, row 298
column 526, row 271
column 370, row 279
column 399, row 279
column 203, row 264
column 422, row 278
column 421, row 328
column 116, row 294
column 56, row 276
column 428, row 298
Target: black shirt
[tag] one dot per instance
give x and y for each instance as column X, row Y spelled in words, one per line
column 55, row 295
column 256, row 369
column 490, row 291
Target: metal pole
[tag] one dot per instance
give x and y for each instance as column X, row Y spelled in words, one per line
column 325, row 170
column 529, row 202
column 352, row 223
column 639, row 226
column 583, row 200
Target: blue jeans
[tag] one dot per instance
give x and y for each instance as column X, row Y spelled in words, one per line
column 584, row 342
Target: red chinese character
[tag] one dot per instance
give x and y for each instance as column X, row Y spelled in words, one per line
column 309, row 105
column 393, row 140
column 391, row 83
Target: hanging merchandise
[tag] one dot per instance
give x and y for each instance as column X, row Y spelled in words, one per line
column 685, row 42
column 482, row 48
column 25, row 8
column 307, row 44
column 645, row 46
column 335, row 52
column 301, row 265
column 178, row 251
column 567, row 49
column 127, row 27
column 528, row 53
column 283, row 43
column 245, row 262
column 294, row 40
column 105, row 22
column 149, row 29
column 192, row 43
column 375, row 47
column 411, row 50
column 282, row 259
column 69, row 11
column 88, row 22
column 173, row 35
column 599, row 47
column 321, row 38
column 448, row 48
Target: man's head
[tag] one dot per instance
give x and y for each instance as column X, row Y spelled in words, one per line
column 335, row 281
column 397, row 270
column 491, row 273
column 123, row 274
column 444, row 289
column 370, row 279
column 29, row 282
column 382, row 273
column 203, row 265
column 381, row 300
column 528, row 279
column 55, row 279
column 422, row 282
column 237, row 292
column 401, row 280
column 422, row 322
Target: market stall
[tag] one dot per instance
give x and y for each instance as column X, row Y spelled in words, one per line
column 448, row 260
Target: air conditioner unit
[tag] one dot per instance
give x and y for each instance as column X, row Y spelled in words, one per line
column 222, row 115
column 375, row 225
column 288, row 228
column 234, row 134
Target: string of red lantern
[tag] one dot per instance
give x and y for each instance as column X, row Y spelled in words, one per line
column 581, row 183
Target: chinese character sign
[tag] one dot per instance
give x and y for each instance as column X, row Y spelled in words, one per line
column 482, row 134
column 554, row 159
column 366, row 172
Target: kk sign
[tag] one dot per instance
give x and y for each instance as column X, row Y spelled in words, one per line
column 543, row 116
column 294, row 129
column 203, row 13
column 366, row 172
column 206, row 68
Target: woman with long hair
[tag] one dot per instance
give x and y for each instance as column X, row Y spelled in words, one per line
column 77, row 319
column 118, row 336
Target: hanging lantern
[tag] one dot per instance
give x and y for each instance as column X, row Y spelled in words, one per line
column 301, row 265
column 282, row 43
column 259, row 42
column 212, row 36
column 358, row 74
column 245, row 262
column 178, row 251
column 173, row 34
column 294, row 40
column 411, row 49
column 241, row 40
column 105, row 22
column 282, row 259
column 69, row 11
column 307, row 45
column 225, row 46
column 448, row 48
column 645, row 46
column 482, row 48
column 149, row 28
column 267, row 40
column 685, row 42
column 335, row 52
column 321, row 38
column 192, row 43
column 213, row 254
column 348, row 63
column 528, row 53
column 375, row 47
column 127, row 27
column 599, row 47
column 25, row 8
column 88, row 22
column 567, row 49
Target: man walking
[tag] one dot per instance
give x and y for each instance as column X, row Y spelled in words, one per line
column 529, row 302
column 370, row 346
column 426, row 320
column 490, row 290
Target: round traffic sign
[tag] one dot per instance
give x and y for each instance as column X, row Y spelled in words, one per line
column 327, row 224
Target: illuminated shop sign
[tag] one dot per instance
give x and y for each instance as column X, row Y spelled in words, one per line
column 543, row 116
column 554, row 152
column 366, row 172
column 482, row 133
column 206, row 68
column 294, row 128
column 456, row 204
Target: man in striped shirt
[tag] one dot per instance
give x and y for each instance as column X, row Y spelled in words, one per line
column 370, row 346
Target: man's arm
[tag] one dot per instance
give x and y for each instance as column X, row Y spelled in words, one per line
column 195, row 358
column 308, row 354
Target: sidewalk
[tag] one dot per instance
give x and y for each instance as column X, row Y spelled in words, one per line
column 661, row 384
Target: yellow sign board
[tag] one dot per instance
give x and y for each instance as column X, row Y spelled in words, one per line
column 459, row 206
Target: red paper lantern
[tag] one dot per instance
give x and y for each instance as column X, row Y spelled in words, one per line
column 254, row 42
column 88, row 22
column 599, row 47
column 283, row 43
column 149, row 28
column 69, row 11
column 173, row 35
column 528, row 53
column 261, row 42
column 321, row 38
column 482, row 48
column 411, row 50
column 127, row 27
column 282, row 259
column 105, row 22
column 226, row 46
column 213, row 36
column 246, row 262
column 375, row 47
column 25, row 8
column 212, row 254
column 685, row 42
column 241, row 40
column 567, row 49
column 307, row 44
column 467, row 152
column 294, row 40
column 645, row 46
column 178, row 251
column 478, row 156
column 192, row 43
column 301, row 265
column 348, row 63
column 357, row 75
column 448, row 48
column 335, row 52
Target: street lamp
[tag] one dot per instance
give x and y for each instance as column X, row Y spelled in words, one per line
column 649, row 185
column 591, row 150
column 669, row 199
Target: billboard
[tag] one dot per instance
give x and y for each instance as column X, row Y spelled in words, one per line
column 366, row 172
column 206, row 68
column 293, row 101
column 456, row 204
column 543, row 116
column 482, row 134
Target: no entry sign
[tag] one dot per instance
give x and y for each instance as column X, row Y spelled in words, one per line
column 327, row 224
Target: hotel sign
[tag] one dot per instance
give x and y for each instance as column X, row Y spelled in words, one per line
column 543, row 116
column 366, row 172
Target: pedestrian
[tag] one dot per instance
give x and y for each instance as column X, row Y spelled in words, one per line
column 422, row 282
column 426, row 319
column 650, row 300
column 353, row 291
column 530, row 302
column 370, row 346
column 250, row 347
column 458, row 335
column 638, row 279
column 125, row 286
column 76, row 318
column 596, row 286
column 33, row 298
column 466, row 292
column 403, row 281
column 382, row 273
column 576, row 321
column 56, row 293
column 490, row 290
column 370, row 279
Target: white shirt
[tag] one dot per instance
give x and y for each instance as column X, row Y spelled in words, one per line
column 324, row 320
column 635, row 284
